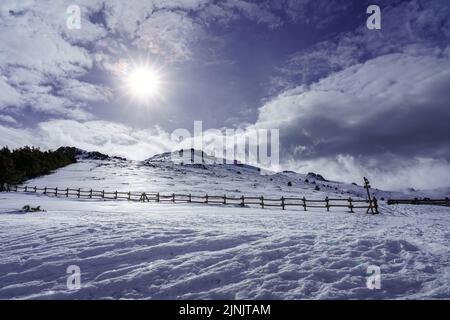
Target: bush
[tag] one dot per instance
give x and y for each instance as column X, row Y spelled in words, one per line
column 28, row 208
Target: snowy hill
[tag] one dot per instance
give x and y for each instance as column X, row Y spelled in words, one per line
column 172, row 251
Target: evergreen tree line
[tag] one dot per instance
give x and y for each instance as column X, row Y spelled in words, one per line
column 25, row 163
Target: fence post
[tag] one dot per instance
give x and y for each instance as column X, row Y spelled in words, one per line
column 189, row 198
column 327, row 205
column 90, row 194
column 282, row 203
column 26, row 188
column 103, row 194
column 16, row 188
column 67, row 192
column 35, row 189
column 157, row 197
column 350, row 205
column 173, row 197
column 56, row 191
column 242, row 201
column 262, row 202
column 224, row 199
column 375, row 205
column 79, row 192
column 45, row 190
column 304, row 203
column 206, row 198
column 129, row 195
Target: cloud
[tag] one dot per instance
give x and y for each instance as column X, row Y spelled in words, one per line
column 7, row 119
column 394, row 174
column 104, row 136
column 411, row 27
column 391, row 107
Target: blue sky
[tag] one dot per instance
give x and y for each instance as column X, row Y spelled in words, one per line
column 348, row 101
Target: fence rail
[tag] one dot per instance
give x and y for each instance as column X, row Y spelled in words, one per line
column 283, row 202
column 436, row 202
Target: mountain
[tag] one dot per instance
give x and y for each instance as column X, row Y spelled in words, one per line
column 136, row 250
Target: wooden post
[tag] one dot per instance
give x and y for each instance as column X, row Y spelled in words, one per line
column 190, row 198
column 26, row 188
column 206, row 198
column 56, row 191
column 350, row 205
column 129, row 195
column 16, row 188
column 35, row 189
column 67, row 192
column 282, row 203
column 375, row 205
column 242, row 201
column 327, row 205
column 173, row 197
column 262, row 202
column 157, row 197
column 224, row 199
column 45, row 190
column 103, row 194
column 90, row 194
column 79, row 192
column 367, row 187
column 304, row 203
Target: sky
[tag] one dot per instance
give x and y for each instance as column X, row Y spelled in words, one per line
column 348, row 101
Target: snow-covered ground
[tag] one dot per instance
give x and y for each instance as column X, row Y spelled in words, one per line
column 187, row 251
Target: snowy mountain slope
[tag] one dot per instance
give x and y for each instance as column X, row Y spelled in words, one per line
column 214, row 179
column 172, row 251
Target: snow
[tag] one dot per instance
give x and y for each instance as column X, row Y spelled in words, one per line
column 133, row 250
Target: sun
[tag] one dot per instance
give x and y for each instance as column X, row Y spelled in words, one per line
column 143, row 82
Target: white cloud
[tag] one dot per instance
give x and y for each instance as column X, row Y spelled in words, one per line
column 107, row 137
column 7, row 119
column 394, row 107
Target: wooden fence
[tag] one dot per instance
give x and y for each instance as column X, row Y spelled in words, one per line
column 263, row 202
column 435, row 202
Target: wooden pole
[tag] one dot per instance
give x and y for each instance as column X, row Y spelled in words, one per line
column 35, row 189
column 304, row 203
column 190, row 198
column 224, row 199
column 242, row 201
column 56, row 191
column 79, row 192
column 350, row 205
column 262, row 202
column 327, row 205
column 206, row 196
column 157, row 197
column 375, row 205
column 45, row 190
column 129, row 195
column 173, row 197
column 367, row 187
column 67, row 192
column 282, row 203
column 90, row 194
